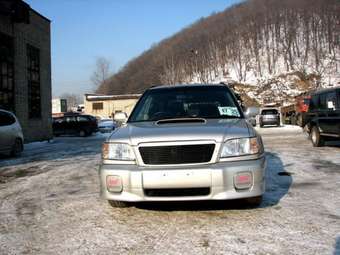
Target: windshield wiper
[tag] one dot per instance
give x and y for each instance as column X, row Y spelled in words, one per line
column 180, row 120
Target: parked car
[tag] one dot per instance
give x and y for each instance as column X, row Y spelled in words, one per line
column 251, row 113
column 323, row 116
column 269, row 116
column 106, row 125
column 11, row 137
column 82, row 125
column 184, row 142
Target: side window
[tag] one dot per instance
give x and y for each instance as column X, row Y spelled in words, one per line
column 323, row 102
column 148, row 108
column 314, row 103
column 58, row 120
column 6, row 119
column 82, row 119
column 70, row 119
column 331, row 101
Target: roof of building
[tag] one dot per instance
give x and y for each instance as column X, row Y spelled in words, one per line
column 40, row 15
column 18, row 10
column 97, row 97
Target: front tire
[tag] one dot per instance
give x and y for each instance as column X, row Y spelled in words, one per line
column 17, row 148
column 82, row 133
column 317, row 139
column 254, row 201
column 118, row 204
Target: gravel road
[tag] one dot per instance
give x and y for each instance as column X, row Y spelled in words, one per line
column 50, row 204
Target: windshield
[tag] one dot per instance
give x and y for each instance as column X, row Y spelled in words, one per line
column 186, row 102
column 269, row 112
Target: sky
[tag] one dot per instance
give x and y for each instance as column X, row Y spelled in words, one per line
column 119, row 30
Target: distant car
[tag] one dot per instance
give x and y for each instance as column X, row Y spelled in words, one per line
column 323, row 116
column 269, row 116
column 11, row 137
column 251, row 113
column 82, row 125
column 106, row 125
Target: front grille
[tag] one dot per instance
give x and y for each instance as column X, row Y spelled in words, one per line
column 177, row 192
column 178, row 154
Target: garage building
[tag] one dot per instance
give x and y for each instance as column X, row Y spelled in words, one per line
column 104, row 106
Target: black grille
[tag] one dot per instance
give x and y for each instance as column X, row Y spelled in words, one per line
column 179, row 154
column 177, row 192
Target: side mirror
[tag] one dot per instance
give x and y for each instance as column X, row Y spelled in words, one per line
column 238, row 97
column 246, row 113
column 120, row 117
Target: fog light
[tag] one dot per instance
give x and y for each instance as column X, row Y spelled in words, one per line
column 243, row 180
column 114, row 183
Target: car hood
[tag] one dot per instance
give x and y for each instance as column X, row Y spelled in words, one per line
column 218, row 130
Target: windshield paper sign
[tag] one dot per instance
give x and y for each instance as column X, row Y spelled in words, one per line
column 229, row 111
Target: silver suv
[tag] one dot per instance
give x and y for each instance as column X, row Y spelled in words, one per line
column 183, row 142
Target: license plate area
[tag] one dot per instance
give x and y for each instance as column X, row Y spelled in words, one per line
column 179, row 192
column 171, row 179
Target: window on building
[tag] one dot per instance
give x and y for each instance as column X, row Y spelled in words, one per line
column 6, row 72
column 33, row 73
column 97, row 106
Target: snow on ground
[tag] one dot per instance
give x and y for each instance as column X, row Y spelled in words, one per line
column 49, row 204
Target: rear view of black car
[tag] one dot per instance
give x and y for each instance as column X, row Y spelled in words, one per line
column 81, row 125
column 323, row 116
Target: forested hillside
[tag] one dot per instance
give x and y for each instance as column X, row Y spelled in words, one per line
column 271, row 49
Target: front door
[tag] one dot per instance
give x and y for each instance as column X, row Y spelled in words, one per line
column 332, row 118
column 6, row 132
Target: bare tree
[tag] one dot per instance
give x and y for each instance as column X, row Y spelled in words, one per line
column 254, row 38
column 101, row 73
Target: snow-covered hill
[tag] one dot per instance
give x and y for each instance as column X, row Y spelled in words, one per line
column 271, row 50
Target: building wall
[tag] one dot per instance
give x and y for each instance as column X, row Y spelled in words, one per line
column 37, row 34
column 59, row 105
column 110, row 106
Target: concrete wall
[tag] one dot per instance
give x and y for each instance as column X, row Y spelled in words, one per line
column 109, row 107
column 37, row 34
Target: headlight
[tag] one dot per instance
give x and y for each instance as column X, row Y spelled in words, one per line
column 240, row 147
column 117, row 151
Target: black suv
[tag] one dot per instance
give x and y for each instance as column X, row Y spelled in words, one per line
column 323, row 116
column 82, row 125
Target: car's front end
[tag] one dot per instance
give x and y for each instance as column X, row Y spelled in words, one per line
column 183, row 159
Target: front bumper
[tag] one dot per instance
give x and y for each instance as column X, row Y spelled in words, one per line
column 270, row 122
column 218, row 177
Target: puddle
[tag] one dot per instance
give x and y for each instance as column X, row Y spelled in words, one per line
column 8, row 175
column 305, row 184
column 326, row 166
